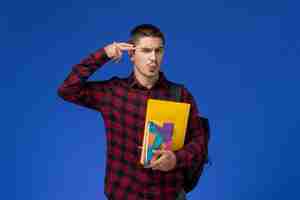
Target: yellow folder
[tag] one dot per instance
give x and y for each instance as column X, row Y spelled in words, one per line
column 161, row 112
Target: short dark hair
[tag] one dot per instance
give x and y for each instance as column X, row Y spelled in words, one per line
column 145, row 30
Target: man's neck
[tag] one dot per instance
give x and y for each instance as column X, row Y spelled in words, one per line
column 145, row 81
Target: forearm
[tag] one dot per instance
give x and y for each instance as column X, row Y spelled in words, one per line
column 194, row 150
column 73, row 87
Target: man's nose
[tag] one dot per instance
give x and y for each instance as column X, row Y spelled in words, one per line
column 153, row 56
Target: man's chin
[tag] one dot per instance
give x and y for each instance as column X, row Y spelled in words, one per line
column 152, row 74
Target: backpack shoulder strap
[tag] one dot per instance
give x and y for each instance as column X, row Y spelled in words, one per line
column 175, row 90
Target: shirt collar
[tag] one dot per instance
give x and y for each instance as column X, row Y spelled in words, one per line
column 161, row 82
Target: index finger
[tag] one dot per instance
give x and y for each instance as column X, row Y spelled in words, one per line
column 126, row 48
column 124, row 44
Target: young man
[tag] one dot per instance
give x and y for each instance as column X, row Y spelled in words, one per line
column 122, row 103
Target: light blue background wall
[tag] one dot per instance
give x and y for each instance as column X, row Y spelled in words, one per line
column 240, row 59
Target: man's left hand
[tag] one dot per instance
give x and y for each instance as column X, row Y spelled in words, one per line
column 165, row 162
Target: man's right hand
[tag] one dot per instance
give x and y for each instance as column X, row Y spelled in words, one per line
column 115, row 50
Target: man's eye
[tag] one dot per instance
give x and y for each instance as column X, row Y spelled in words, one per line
column 146, row 50
column 149, row 50
column 159, row 50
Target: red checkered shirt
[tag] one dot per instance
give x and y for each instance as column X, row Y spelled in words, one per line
column 122, row 103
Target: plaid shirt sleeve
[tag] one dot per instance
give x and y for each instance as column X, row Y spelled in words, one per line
column 78, row 90
column 193, row 150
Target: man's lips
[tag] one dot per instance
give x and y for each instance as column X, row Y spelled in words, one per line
column 152, row 65
column 153, row 68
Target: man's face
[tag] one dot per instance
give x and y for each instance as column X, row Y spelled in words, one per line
column 147, row 56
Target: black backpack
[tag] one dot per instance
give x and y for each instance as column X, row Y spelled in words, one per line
column 192, row 175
